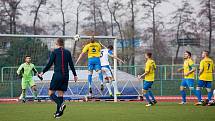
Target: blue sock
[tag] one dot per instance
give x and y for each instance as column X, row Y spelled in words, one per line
column 101, row 77
column 210, row 94
column 193, row 91
column 151, row 95
column 90, row 80
column 56, row 100
column 183, row 95
column 147, row 98
column 199, row 96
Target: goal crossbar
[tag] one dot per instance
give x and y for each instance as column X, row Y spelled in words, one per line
column 73, row 37
column 56, row 36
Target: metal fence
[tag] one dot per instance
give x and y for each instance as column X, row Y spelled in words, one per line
column 167, row 82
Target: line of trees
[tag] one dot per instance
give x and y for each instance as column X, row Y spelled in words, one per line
column 129, row 19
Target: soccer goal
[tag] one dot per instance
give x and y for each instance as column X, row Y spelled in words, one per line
column 15, row 47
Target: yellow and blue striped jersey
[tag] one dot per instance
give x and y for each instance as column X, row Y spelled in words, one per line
column 150, row 67
column 188, row 66
column 207, row 65
column 93, row 49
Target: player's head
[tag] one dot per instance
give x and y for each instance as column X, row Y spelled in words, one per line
column 92, row 39
column 27, row 58
column 187, row 54
column 148, row 55
column 110, row 47
column 60, row 42
column 205, row 53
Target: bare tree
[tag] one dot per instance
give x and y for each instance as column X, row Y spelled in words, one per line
column 63, row 18
column 11, row 7
column 77, row 14
column 207, row 11
column 111, row 16
column 36, row 12
column 152, row 4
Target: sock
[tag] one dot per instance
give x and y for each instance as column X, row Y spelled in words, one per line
column 90, row 80
column 199, row 96
column 183, row 95
column 35, row 94
column 23, row 94
column 147, row 98
column 193, row 91
column 115, row 86
column 109, row 88
column 61, row 100
column 151, row 95
column 210, row 94
column 56, row 100
column 101, row 77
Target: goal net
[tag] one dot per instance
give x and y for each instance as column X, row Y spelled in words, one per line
column 39, row 47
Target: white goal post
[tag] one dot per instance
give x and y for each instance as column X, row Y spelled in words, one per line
column 74, row 38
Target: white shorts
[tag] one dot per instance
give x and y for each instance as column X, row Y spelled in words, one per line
column 106, row 71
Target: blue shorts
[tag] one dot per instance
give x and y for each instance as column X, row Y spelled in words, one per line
column 206, row 84
column 147, row 85
column 94, row 64
column 187, row 83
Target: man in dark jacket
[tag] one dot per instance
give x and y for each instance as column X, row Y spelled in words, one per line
column 61, row 59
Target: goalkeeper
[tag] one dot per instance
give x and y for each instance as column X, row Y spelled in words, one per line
column 26, row 72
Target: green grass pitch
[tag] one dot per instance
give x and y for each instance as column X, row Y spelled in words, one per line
column 107, row 111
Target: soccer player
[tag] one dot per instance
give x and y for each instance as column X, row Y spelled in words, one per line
column 94, row 51
column 188, row 72
column 205, row 77
column 106, row 69
column 149, row 75
column 61, row 58
column 25, row 71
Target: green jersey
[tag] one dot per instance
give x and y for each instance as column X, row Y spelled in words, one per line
column 26, row 70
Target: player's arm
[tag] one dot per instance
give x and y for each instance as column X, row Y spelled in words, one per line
column 147, row 70
column 19, row 70
column 49, row 64
column 180, row 69
column 115, row 57
column 110, row 53
column 36, row 72
column 82, row 54
column 102, row 45
column 201, row 67
column 72, row 67
column 191, row 64
column 79, row 57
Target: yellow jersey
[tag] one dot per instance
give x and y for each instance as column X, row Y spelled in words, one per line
column 150, row 67
column 188, row 66
column 93, row 49
column 207, row 65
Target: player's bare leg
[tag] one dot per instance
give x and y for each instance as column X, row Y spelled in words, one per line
column 34, row 90
column 100, row 78
column 183, row 94
column 145, row 93
column 90, row 73
column 23, row 96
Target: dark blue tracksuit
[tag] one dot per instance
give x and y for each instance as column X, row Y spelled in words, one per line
column 61, row 59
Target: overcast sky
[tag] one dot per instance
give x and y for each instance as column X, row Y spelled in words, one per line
column 166, row 8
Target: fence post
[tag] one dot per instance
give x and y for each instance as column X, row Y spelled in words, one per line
column 2, row 78
column 161, row 80
column 11, row 88
column 135, row 70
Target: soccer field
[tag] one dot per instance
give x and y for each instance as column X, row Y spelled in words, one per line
column 107, row 111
